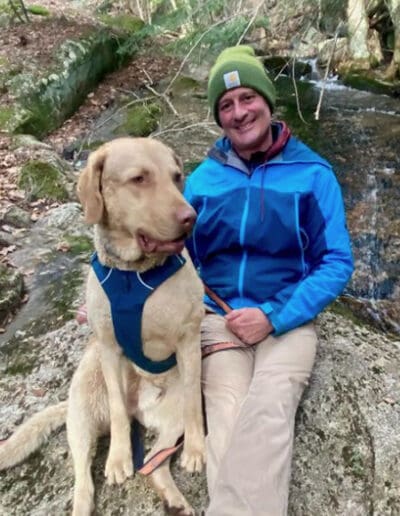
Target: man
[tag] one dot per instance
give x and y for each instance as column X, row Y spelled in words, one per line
column 271, row 242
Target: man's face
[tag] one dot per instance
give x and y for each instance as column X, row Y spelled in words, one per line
column 245, row 117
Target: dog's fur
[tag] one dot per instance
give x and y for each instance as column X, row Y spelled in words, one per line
column 130, row 192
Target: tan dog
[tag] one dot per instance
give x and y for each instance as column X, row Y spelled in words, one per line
column 130, row 190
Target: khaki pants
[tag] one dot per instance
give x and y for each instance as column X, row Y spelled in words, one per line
column 251, row 396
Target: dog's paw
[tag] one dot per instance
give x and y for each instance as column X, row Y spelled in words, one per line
column 193, row 458
column 119, row 467
column 178, row 510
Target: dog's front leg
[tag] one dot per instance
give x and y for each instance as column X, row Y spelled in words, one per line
column 189, row 364
column 119, row 462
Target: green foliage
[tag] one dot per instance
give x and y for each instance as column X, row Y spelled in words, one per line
column 208, row 26
column 262, row 22
column 216, row 39
column 123, row 22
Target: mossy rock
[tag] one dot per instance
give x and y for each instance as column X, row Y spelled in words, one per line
column 140, row 120
column 283, row 64
column 369, row 81
column 44, row 102
column 41, row 179
column 11, row 290
column 185, row 84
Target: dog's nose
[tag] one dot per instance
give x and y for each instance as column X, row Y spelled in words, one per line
column 186, row 217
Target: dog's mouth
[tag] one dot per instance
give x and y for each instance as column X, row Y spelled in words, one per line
column 152, row 245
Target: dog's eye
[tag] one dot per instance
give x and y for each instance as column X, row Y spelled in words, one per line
column 137, row 179
column 177, row 177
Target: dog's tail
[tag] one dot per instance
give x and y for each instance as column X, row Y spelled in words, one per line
column 31, row 434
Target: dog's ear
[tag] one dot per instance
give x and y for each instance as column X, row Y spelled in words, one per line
column 178, row 161
column 89, row 187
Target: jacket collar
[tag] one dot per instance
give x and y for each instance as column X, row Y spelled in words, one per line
column 224, row 153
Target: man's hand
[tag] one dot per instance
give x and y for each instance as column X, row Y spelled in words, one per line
column 249, row 324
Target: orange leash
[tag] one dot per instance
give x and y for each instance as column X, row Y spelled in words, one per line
column 212, row 295
column 157, row 459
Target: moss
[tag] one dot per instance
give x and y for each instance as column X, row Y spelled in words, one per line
column 184, row 85
column 11, row 290
column 63, row 295
column 38, row 10
column 140, row 120
column 80, row 245
column 354, row 460
column 6, row 115
column 341, row 307
column 21, row 356
column 124, row 22
column 40, row 179
column 368, row 81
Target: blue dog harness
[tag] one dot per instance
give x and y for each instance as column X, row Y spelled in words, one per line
column 127, row 292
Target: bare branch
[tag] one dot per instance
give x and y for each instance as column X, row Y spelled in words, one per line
column 184, row 128
column 250, row 22
column 296, row 91
column 164, row 97
column 318, row 108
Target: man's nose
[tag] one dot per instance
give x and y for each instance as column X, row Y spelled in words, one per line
column 240, row 111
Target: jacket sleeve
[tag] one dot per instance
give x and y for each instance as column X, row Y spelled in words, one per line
column 330, row 256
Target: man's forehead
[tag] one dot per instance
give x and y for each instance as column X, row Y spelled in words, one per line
column 235, row 92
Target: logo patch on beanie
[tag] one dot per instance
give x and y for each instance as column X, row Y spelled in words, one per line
column 231, row 79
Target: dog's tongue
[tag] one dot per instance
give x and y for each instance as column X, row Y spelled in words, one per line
column 150, row 245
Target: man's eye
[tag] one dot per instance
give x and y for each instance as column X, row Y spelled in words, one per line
column 177, row 177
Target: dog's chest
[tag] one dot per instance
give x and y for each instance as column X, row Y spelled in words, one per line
column 169, row 315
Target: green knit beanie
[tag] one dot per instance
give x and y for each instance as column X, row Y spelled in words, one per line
column 234, row 67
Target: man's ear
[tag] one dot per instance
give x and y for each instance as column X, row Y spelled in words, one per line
column 89, row 187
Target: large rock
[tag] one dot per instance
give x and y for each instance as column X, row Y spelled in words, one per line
column 347, row 439
column 45, row 98
column 346, row 449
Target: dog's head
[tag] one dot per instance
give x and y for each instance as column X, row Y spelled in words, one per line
column 131, row 189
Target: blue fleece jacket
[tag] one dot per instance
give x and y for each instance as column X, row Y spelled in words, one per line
column 270, row 235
